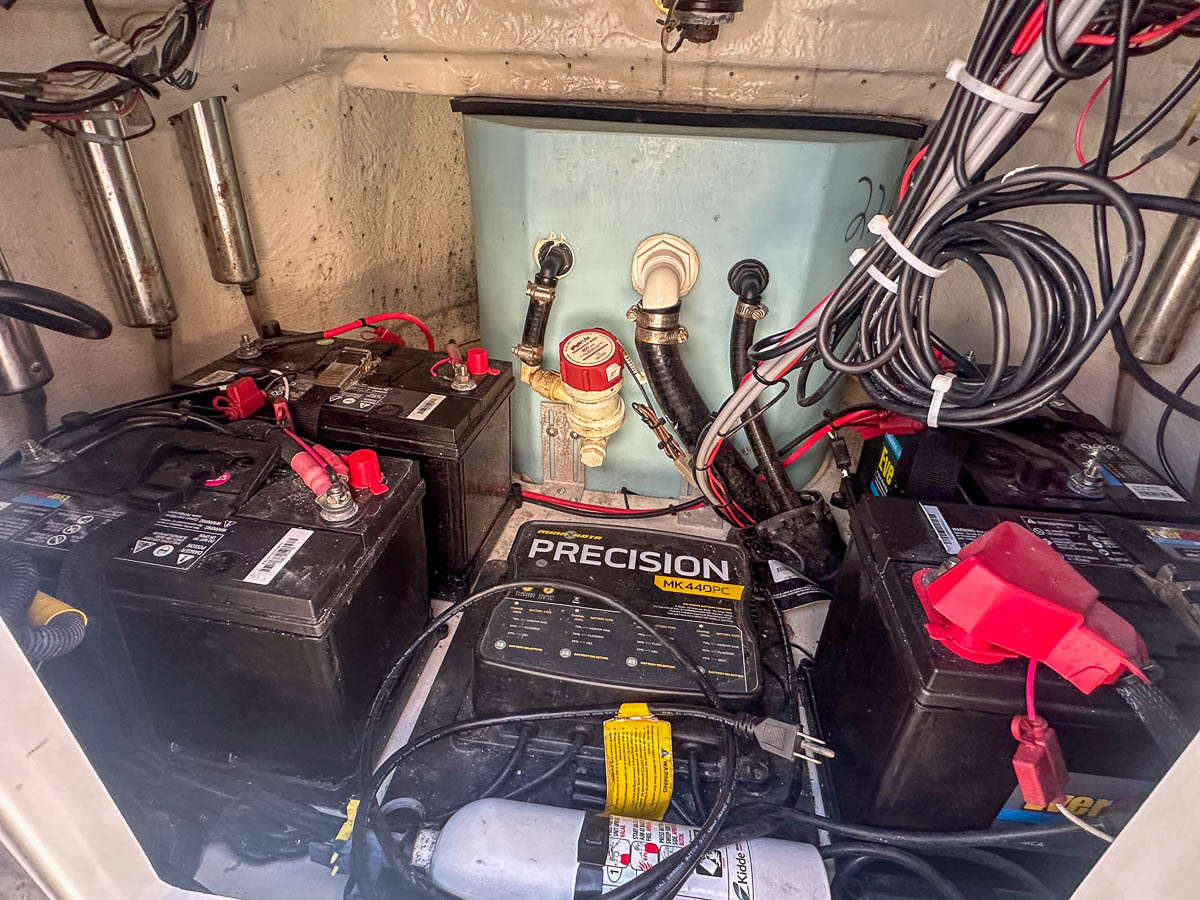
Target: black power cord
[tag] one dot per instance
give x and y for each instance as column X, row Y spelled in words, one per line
column 1160, row 434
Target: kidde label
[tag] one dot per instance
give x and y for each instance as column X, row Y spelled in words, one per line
column 636, row 845
column 589, row 349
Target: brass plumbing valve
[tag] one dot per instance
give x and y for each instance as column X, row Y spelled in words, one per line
column 590, row 385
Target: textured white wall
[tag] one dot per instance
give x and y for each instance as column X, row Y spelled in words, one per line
column 346, row 99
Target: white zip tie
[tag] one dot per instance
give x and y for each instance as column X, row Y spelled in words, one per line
column 957, row 72
column 940, row 385
column 888, row 285
column 879, row 225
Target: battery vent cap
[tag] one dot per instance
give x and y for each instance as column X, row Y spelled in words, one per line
column 590, row 360
column 1011, row 594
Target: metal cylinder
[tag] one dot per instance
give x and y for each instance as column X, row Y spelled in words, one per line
column 203, row 134
column 103, row 174
column 1171, row 294
column 23, row 361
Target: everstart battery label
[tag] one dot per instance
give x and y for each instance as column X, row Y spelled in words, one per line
column 692, row 590
column 50, row 519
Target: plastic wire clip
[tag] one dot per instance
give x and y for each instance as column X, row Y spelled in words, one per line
column 957, row 72
column 879, row 225
column 886, row 283
column 940, row 385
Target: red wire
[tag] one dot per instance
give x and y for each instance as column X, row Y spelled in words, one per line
column 592, row 507
column 433, row 369
column 324, row 463
column 1142, row 37
column 1033, row 30
column 912, row 167
column 861, row 415
column 1030, row 711
column 383, row 317
column 1083, row 160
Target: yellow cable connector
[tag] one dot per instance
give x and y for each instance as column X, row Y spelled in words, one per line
column 639, row 763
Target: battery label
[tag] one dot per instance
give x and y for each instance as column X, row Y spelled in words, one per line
column 1154, row 492
column 1178, row 541
column 217, row 376
column 945, row 534
column 1080, row 542
column 177, row 540
column 636, row 845
column 422, row 410
column 278, row 556
column 53, row 520
column 359, row 397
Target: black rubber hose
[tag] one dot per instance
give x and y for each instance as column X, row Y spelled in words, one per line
column 780, row 494
column 52, row 310
column 536, row 319
column 537, row 316
column 680, row 400
column 54, row 639
column 18, row 585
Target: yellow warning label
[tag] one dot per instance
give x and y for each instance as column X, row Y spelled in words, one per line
column 698, row 586
column 639, row 762
column 44, row 608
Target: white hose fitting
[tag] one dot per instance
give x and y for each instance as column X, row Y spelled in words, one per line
column 665, row 268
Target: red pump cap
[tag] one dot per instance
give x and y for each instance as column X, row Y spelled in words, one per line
column 1013, row 595
column 590, row 360
column 365, row 473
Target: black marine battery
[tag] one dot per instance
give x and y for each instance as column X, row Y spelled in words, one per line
column 923, row 735
column 545, row 647
column 1031, row 463
column 385, row 397
column 234, row 625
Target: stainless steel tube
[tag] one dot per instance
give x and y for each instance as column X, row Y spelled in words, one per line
column 24, row 365
column 104, row 176
column 203, row 134
column 1171, row 295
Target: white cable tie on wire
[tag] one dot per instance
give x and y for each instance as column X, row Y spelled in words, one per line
column 879, row 225
column 957, row 72
column 888, row 285
column 940, row 385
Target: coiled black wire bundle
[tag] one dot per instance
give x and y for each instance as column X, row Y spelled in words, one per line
column 895, row 353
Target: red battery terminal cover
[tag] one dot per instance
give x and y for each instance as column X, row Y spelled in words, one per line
column 365, row 473
column 241, row 399
column 1039, row 764
column 1011, row 594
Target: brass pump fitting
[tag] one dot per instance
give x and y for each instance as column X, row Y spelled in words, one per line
column 591, row 388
